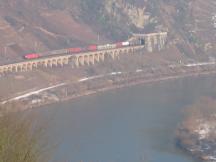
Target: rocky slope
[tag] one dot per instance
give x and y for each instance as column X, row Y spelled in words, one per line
column 34, row 26
column 193, row 25
column 39, row 25
column 197, row 133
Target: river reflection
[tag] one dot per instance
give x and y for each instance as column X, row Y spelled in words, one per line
column 135, row 124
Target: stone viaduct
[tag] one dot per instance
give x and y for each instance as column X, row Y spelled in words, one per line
column 152, row 41
column 76, row 60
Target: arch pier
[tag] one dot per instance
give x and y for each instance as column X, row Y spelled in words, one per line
column 81, row 59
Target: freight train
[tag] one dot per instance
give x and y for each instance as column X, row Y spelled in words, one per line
column 90, row 48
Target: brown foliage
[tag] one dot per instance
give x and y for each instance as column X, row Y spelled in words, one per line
column 21, row 139
column 200, row 112
column 204, row 109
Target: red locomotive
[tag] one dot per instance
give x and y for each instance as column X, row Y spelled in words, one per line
column 32, row 56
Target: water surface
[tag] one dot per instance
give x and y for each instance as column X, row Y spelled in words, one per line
column 135, row 124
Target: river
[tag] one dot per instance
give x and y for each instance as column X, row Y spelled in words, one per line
column 135, row 124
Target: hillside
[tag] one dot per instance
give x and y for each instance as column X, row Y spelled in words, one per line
column 34, row 26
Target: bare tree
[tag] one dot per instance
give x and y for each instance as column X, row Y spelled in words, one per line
column 21, row 137
column 201, row 112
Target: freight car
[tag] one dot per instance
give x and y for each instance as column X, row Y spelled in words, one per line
column 89, row 48
column 137, row 42
column 92, row 48
column 55, row 52
column 106, row 46
column 75, row 50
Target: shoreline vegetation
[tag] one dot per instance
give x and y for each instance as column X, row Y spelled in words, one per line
column 104, row 82
column 196, row 134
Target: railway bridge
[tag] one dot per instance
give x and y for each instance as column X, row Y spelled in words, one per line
column 76, row 60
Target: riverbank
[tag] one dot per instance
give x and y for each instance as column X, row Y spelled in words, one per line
column 104, row 82
column 91, row 85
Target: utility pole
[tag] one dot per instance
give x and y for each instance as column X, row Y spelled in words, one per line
column 98, row 39
column 66, row 92
column 35, row 46
column 5, row 51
